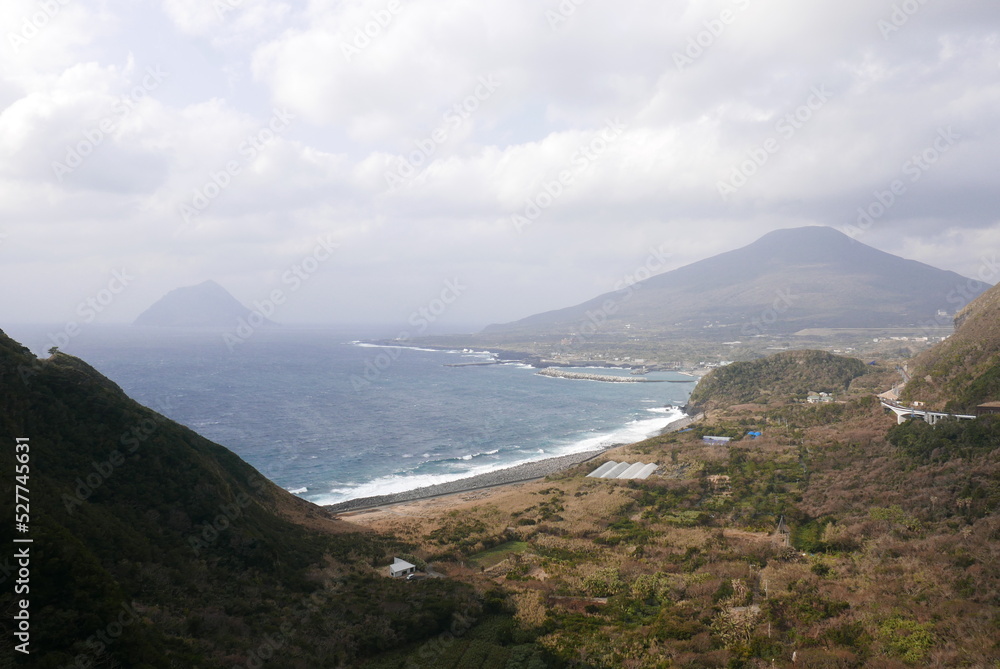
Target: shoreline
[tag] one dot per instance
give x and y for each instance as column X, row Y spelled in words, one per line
column 604, row 378
column 505, row 356
column 522, row 473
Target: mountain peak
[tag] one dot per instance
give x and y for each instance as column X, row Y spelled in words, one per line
column 805, row 277
column 205, row 305
column 804, row 237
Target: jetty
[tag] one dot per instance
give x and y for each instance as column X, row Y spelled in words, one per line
column 473, row 364
column 562, row 374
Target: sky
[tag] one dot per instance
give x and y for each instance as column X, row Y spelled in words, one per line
column 356, row 162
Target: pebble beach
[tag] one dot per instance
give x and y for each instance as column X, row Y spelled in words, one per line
column 528, row 471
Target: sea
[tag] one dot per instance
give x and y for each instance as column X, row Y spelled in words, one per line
column 331, row 417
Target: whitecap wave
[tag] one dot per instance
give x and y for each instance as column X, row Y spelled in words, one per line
column 633, row 431
column 396, row 483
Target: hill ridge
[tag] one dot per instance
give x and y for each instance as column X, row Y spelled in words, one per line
column 133, row 512
column 785, row 281
column 963, row 370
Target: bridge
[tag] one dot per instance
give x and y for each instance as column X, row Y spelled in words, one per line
column 903, row 413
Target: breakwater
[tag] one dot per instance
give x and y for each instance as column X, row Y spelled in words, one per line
column 562, row 374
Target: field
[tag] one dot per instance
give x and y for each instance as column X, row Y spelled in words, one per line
column 890, row 561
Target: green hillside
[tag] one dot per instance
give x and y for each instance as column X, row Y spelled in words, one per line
column 154, row 547
column 964, row 370
column 778, row 377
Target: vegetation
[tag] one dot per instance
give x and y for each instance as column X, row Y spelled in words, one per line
column 837, row 538
column 180, row 553
column 778, row 378
column 964, row 370
column 889, row 559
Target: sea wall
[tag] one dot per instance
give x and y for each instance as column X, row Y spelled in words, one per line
column 607, row 378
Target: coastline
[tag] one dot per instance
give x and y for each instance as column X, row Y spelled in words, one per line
column 528, row 471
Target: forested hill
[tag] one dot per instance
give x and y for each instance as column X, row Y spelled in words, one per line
column 154, row 547
column 781, row 377
column 963, row 370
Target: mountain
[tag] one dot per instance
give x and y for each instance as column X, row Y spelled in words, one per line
column 207, row 305
column 155, row 547
column 785, row 281
column 963, row 370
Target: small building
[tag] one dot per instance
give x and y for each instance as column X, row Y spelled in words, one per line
column 716, row 440
column 623, row 470
column 819, row 398
column 988, row 408
column 400, row 568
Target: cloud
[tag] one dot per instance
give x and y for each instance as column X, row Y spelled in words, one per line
column 417, row 132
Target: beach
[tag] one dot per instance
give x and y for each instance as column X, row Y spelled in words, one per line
column 528, row 471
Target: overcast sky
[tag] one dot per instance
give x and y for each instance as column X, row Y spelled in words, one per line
column 532, row 153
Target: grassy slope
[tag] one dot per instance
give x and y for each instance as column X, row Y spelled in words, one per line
column 131, row 510
column 896, row 534
column 965, row 369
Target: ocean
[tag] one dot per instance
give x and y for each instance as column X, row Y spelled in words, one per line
column 330, row 418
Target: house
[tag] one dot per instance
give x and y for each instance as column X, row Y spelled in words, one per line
column 716, row 440
column 817, row 398
column 400, row 568
column 988, row 408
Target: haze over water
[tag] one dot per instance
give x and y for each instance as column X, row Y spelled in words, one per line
column 289, row 402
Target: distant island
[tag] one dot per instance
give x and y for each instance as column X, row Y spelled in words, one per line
column 206, row 305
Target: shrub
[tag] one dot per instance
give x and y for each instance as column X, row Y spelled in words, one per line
column 906, row 638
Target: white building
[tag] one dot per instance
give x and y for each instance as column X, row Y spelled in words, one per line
column 400, row 568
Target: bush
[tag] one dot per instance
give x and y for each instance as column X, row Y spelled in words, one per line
column 906, row 638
